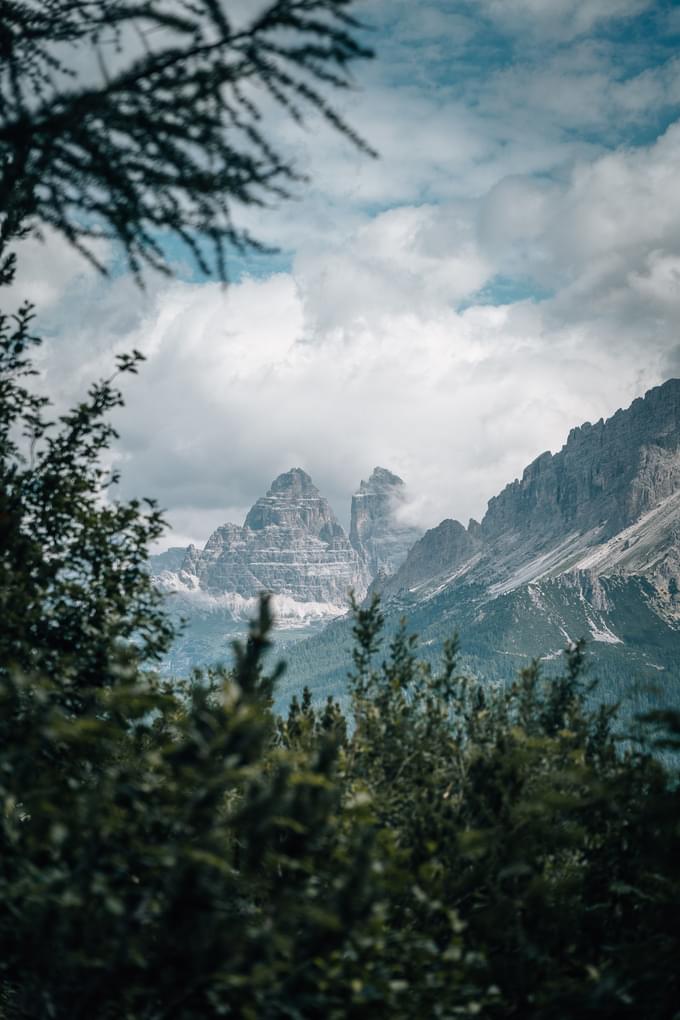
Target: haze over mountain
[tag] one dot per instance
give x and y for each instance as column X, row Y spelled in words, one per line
column 378, row 530
column 584, row 544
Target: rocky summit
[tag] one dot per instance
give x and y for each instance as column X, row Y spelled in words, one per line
column 378, row 530
column 290, row 544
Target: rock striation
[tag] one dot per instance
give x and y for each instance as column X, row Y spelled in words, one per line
column 377, row 530
column 606, row 474
column 290, row 544
column 607, row 478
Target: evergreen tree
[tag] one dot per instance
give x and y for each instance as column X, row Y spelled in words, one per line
column 135, row 120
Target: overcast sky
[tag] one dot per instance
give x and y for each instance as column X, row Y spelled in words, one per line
column 508, row 268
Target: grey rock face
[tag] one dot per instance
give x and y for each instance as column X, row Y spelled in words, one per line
column 604, row 480
column 290, row 544
column 608, row 473
column 376, row 531
column 447, row 547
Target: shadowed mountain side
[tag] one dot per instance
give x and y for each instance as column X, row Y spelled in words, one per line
column 447, row 547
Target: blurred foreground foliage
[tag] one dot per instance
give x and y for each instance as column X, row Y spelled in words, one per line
column 143, row 122
column 452, row 850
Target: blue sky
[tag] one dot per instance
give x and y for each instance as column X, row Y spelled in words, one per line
column 508, row 268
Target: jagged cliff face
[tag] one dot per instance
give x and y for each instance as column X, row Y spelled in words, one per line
column 606, row 475
column 568, row 510
column 290, row 545
column 377, row 531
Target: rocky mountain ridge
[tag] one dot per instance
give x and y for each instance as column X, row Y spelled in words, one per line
column 290, row 545
column 608, row 473
column 606, row 478
column 585, row 544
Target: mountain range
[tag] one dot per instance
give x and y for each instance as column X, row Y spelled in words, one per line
column 584, row 544
column 291, row 545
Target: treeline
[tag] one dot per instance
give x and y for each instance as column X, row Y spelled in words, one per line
column 500, row 636
column 185, row 853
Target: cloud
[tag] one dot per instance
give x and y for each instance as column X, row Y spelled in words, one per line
column 356, row 359
column 455, row 105
column 46, row 266
column 593, row 86
column 406, row 260
column 511, row 151
column 591, row 236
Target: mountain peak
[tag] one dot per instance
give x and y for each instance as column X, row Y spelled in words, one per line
column 381, row 479
column 294, row 501
column 295, row 483
column 376, row 531
column 449, row 543
column 290, row 545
